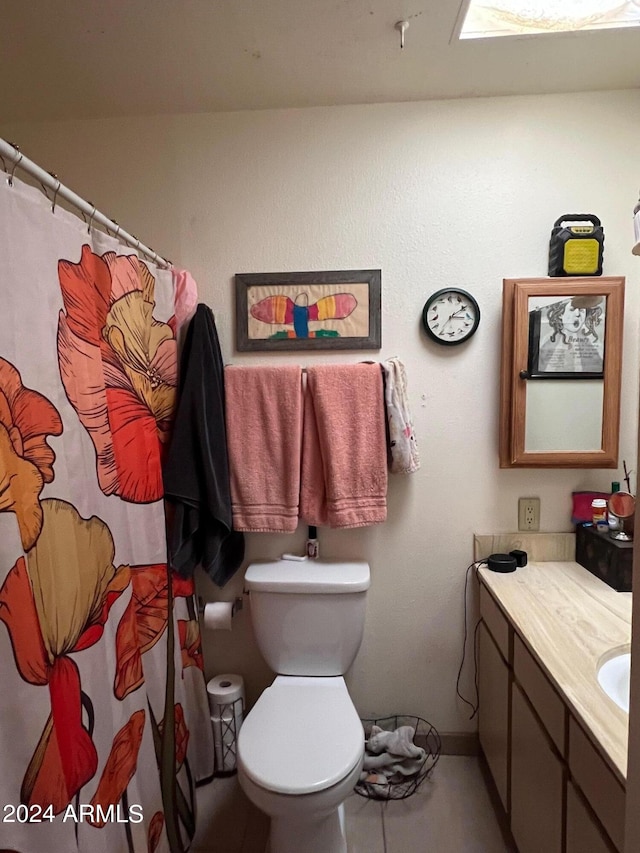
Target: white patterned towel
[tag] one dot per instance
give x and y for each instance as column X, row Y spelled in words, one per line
column 402, row 440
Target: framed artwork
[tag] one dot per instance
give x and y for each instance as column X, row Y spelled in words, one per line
column 331, row 310
column 567, row 336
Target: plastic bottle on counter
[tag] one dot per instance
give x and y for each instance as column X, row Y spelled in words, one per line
column 312, row 546
column 599, row 514
column 614, row 521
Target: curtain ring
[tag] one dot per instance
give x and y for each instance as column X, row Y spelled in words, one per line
column 55, row 192
column 93, row 213
column 116, row 232
column 15, row 165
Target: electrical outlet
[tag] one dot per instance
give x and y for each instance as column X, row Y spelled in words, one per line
column 529, row 514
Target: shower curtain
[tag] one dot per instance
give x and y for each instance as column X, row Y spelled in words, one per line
column 104, row 725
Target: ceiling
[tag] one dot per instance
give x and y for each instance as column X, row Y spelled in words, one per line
column 91, row 58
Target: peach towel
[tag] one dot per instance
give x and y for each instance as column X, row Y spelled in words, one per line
column 185, row 295
column 344, row 452
column 264, row 436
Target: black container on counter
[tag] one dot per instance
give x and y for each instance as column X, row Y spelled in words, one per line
column 608, row 559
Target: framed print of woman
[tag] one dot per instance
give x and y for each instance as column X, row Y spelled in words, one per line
column 566, row 336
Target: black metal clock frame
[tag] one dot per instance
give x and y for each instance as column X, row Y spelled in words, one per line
column 429, row 303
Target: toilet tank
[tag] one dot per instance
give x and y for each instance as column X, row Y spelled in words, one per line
column 308, row 616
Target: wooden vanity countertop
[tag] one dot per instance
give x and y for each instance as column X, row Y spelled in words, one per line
column 569, row 620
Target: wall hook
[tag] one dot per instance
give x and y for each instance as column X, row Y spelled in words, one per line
column 402, row 27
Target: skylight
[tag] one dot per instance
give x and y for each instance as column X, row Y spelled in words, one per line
column 489, row 18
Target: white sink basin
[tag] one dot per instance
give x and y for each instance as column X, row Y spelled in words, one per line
column 613, row 677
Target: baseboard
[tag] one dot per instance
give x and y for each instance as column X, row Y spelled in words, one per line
column 459, row 743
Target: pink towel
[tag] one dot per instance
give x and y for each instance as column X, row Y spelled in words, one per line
column 264, row 436
column 344, row 455
column 185, row 297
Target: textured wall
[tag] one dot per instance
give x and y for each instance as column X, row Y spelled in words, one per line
column 441, row 193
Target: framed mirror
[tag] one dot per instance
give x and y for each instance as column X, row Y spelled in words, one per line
column 561, row 372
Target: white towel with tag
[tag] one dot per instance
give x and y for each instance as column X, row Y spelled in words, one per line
column 402, row 441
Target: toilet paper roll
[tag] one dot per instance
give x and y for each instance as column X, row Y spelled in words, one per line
column 226, row 703
column 217, row 615
column 224, row 690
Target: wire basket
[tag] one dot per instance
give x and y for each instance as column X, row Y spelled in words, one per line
column 425, row 736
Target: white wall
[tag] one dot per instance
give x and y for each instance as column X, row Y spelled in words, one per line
column 441, row 193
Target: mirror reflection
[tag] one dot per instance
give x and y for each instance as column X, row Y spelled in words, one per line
column 566, row 335
column 566, row 349
column 622, row 506
column 564, row 415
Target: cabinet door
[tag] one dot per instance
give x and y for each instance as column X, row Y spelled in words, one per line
column 544, row 424
column 596, row 780
column 584, row 832
column 536, row 782
column 493, row 725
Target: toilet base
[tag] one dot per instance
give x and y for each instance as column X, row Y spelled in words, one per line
column 324, row 833
column 309, row 822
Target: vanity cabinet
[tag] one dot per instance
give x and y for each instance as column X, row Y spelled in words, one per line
column 558, row 792
column 603, row 791
column 583, row 829
column 536, row 782
column 493, row 712
column 548, row 705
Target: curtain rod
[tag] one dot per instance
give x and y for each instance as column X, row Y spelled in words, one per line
column 19, row 161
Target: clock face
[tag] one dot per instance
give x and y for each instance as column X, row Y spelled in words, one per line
column 450, row 316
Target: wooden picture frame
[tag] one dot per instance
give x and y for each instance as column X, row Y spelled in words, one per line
column 328, row 310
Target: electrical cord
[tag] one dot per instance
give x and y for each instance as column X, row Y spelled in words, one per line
column 476, row 703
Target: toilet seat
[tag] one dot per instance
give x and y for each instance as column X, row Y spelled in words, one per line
column 303, row 735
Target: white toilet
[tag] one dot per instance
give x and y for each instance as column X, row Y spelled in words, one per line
column 300, row 749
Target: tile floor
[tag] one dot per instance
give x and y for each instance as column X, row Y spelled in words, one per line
column 451, row 812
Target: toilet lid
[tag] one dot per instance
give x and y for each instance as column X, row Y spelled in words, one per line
column 302, row 735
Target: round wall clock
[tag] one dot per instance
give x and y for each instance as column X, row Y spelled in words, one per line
column 450, row 316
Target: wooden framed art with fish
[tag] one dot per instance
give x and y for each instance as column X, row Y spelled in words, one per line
column 330, row 310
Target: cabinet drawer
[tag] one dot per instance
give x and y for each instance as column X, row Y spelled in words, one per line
column 537, row 782
column 495, row 622
column 540, row 692
column 583, row 831
column 599, row 785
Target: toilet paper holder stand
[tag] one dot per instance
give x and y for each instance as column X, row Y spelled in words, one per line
column 235, row 607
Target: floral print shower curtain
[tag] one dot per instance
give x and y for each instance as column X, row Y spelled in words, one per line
column 104, row 726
